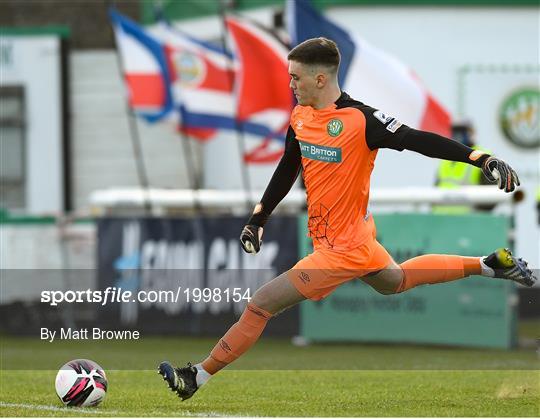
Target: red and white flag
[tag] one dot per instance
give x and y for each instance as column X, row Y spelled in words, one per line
column 381, row 81
column 261, row 85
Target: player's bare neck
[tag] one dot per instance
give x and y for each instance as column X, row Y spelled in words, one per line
column 327, row 98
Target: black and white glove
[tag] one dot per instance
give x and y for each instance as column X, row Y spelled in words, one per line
column 498, row 171
column 251, row 238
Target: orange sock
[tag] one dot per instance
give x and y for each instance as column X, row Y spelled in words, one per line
column 238, row 339
column 432, row 269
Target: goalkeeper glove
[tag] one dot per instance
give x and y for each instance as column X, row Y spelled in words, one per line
column 496, row 170
column 251, row 238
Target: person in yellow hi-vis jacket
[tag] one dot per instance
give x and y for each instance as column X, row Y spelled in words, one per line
column 453, row 175
column 538, row 203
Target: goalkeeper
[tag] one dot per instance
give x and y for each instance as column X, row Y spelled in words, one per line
column 335, row 140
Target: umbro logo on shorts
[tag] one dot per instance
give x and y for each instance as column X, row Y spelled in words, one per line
column 304, row 277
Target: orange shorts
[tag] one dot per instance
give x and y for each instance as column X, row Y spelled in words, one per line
column 321, row 272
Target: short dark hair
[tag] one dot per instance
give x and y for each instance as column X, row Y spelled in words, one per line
column 316, row 51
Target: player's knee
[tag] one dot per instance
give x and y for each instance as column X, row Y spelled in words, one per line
column 385, row 291
column 390, row 282
column 263, row 299
column 258, row 299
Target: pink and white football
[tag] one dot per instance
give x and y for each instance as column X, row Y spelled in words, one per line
column 81, row 382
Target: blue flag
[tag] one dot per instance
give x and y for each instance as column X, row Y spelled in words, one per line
column 306, row 22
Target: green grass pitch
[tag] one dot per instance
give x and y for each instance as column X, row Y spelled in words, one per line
column 278, row 379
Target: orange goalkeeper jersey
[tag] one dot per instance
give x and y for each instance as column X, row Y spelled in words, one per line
column 338, row 145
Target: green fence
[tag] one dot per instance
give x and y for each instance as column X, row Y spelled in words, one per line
column 476, row 311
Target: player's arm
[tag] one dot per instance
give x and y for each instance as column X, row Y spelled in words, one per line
column 437, row 146
column 387, row 132
column 281, row 183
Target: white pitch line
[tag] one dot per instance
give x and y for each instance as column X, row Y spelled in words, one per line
column 94, row 412
column 60, row 409
column 211, row 414
column 221, row 415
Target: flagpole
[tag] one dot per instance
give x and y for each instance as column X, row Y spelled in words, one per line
column 238, row 125
column 194, row 181
column 193, row 178
column 134, row 133
column 189, row 159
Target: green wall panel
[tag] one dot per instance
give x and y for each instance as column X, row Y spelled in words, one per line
column 476, row 311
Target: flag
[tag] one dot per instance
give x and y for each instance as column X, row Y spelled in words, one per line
column 169, row 73
column 212, row 89
column 262, row 84
column 202, row 82
column 304, row 22
column 369, row 74
column 146, row 67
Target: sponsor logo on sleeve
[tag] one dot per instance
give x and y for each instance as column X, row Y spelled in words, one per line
column 381, row 116
column 385, row 119
column 393, row 126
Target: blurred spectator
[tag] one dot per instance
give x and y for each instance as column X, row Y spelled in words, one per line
column 453, row 175
column 538, row 203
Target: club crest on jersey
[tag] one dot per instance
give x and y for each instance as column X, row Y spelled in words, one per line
column 334, row 127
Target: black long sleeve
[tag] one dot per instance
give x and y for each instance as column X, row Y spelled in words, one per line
column 282, row 180
column 437, row 146
column 384, row 131
column 434, row 145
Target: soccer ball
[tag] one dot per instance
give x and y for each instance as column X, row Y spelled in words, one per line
column 81, row 382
